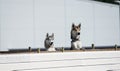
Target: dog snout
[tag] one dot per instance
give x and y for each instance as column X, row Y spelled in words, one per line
column 79, row 33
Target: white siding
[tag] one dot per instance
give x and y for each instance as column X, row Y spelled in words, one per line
column 80, row 12
column 107, row 27
column 49, row 18
column 16, row 23
column 24, row 23
column 66, row 61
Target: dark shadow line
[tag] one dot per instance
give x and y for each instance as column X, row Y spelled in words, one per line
column 113, row 70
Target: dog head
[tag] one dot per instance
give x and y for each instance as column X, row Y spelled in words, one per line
column 49, row 40
column 75, row 31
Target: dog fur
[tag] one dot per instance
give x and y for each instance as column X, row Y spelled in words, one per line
column 48, row 43
column 75, row 36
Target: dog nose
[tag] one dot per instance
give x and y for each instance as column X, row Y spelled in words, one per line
column 51, row 43
column 78, row 33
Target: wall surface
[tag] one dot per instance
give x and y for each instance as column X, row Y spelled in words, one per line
column 16, row 24
column 49, row 18
column 107, row 26
column 100, row 22
column 66, row 61
column 24, row 23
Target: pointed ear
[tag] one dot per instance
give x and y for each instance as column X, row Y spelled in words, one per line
column 53, row 34
column 79, row 25
column 73, row 25
column 47, row 35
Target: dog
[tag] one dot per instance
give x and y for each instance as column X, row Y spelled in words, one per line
column 75, row 36
column 48, row 43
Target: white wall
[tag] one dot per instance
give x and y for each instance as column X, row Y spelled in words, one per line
column 66, row 61
column 80, row 12
column 16, row 20
column 107, row 27
column 49, row 18
column 100, row 22
column 24, row 23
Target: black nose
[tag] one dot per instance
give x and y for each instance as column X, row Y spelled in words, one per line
column 78, row 33
column 51, row 43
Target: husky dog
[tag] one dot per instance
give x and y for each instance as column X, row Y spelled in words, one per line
column 75, row 36
column 48, row 43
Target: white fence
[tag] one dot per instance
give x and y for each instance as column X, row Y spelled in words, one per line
column 66, row 61
column 24, row 23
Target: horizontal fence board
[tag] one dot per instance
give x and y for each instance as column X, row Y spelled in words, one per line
column 73, row 61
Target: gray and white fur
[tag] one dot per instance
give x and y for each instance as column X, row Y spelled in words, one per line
column 48, row 43
column 75, row 36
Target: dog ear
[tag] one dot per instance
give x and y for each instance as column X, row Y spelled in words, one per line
column 79, row 25
column 47, row 35
column 73, row 25
column 53, row 34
